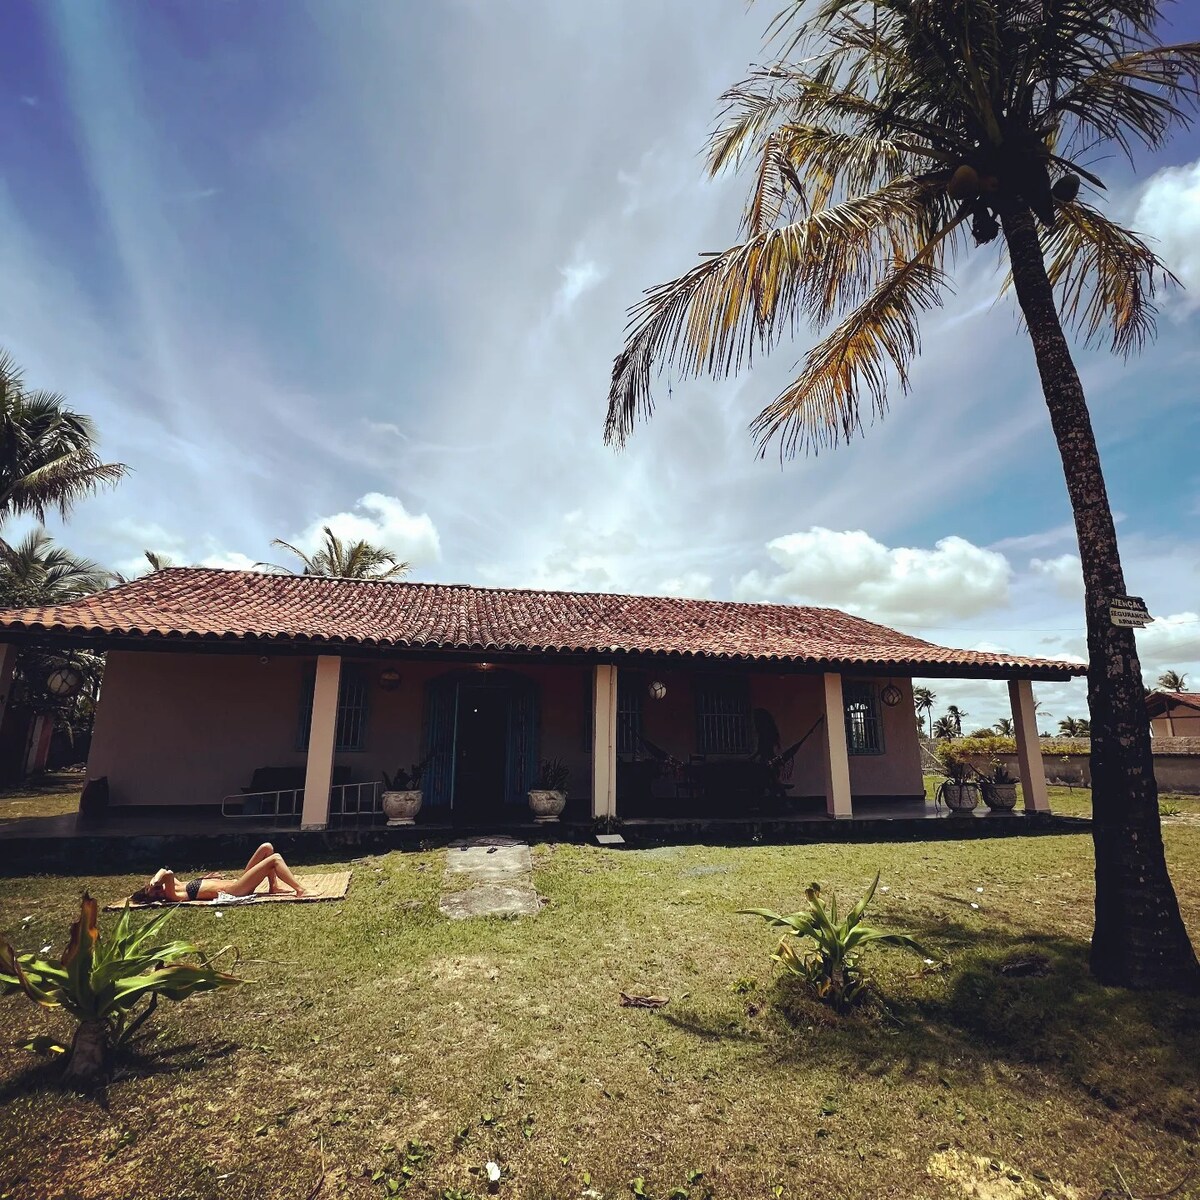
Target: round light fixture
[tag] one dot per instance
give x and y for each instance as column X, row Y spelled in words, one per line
column 891, row 695
column 64, row 682
column 389, row 680
column 657, row 690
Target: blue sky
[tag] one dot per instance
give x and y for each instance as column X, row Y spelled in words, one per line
column 369, row 265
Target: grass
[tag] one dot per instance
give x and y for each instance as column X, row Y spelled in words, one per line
column 380, row 1042
column 49, row 795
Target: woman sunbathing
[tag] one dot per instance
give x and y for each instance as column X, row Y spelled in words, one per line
column 264, row 864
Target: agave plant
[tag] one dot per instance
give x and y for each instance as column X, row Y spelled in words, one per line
column 101, row 982
column 830, row 965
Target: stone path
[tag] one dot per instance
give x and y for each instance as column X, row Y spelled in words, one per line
column 498, row 874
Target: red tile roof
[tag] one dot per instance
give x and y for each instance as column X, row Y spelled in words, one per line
column 191, row 604
column 1158, row 701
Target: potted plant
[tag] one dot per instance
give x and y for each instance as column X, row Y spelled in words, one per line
column 999, row 788
column 960, row 794
column 402, row 794
column 549, row 798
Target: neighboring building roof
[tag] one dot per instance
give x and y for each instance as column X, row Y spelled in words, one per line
column 199, row 604
column 1158, row 702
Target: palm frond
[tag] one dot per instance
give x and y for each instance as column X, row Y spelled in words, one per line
column 712, row 318
column 822, row 407
column 1105, row 276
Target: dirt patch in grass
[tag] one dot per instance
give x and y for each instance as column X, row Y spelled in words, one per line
column 379, row 1041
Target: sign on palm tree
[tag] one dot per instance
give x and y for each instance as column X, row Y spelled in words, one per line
column 890, row 138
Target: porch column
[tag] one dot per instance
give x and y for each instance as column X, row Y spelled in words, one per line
column 604, row 742
column 1029, row 746
column 40, row 733
column 322, row 738
column 8, row 660
column 837, row 761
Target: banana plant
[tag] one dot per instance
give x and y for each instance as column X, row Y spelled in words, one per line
column 101, row 981
column 830, row 965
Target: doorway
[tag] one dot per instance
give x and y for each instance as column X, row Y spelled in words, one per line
column 481, row 752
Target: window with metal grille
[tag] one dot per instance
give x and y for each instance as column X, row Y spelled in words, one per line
column 723, row 716
column 351, row 714
column 864, row 731
column 630, row 690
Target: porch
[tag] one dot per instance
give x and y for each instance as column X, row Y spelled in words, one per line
column 270, row 743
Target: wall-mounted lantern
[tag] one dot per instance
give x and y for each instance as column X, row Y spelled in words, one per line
column 657, row 690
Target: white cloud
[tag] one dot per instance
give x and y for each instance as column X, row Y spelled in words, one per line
column 902, row 585
column 1169, row 643
column 383, row 521
column 579, row 277
column 1168, row 210
column 694, row 585
column 232, row 560
column 1064, row 572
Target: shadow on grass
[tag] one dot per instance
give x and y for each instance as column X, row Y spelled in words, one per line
column 45, row 1075
column 1029, row 1004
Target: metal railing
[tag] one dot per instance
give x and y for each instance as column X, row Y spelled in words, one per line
column 355, row 801
column 347, row 802
column 271, row 806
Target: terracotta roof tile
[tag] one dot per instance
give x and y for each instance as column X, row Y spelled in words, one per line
column 190, row 603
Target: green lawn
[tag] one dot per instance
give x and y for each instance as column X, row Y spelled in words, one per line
column 378, row 1037
column 50, row 795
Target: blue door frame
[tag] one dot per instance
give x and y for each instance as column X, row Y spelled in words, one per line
column 441, row 734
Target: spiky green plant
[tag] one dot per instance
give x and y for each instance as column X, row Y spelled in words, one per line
column 102, row 981
column 824, row 952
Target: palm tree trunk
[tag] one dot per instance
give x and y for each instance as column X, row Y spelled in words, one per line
column 87, row 1063
column 1139, row 940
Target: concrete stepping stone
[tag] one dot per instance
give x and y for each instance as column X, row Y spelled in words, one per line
column 498, row 873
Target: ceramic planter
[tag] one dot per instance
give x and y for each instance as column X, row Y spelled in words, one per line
column 547, row 806
column 1000, row 797
column 401, row 807
column 960, row 797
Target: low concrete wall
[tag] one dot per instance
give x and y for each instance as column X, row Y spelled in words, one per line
column 1176, row 762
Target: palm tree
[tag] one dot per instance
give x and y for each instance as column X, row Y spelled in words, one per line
column 1069, row 727
column 346, row 560
column 891, row 138
column 35, row 573
column 956, row 715
column 1004, row 727
column 923, row 698
column 1172, row 681
column 48, row 456
column 943, row 727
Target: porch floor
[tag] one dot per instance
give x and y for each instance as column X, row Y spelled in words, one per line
column 138, row 840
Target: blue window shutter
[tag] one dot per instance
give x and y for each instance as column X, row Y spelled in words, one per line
column 441, row 704
column 523, row 731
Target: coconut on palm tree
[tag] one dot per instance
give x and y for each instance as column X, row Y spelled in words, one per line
column 1172, row 681
column 346, row 559
column 893, row 137
column 48, row 457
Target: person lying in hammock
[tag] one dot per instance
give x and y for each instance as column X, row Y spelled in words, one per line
column 264, row 864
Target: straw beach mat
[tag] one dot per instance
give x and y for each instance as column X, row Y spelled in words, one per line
column 332, row 885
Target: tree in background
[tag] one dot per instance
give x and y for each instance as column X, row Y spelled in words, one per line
column 944, row 727
column 890, row 138
column 1004, row 727
column 346, row 560
column 48, row 456
column 1172, row 681
column 956, row 715
column 35, row 573
column 923, row 699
